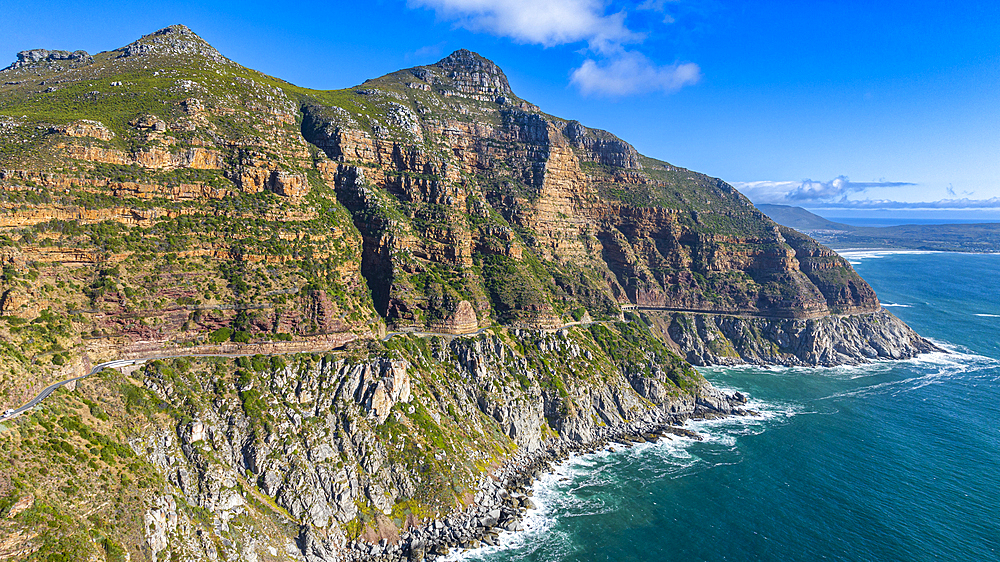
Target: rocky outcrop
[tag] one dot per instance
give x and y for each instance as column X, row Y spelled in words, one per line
column 461, row 321
column 472, row 75
column 602, row 147
column 706, row 339
column 331, row 440
column 161, row 522
column 153, row 158
column 252, row 179
column 40, row 56
column 174, row 40
column 86, row 128
column 306, row 478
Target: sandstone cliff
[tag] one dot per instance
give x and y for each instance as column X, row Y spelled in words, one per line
column 479, row 177
column 473, row 206
column 162, row 200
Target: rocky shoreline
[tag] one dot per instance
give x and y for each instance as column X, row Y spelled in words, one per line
column 717, row 339
column 504, row 498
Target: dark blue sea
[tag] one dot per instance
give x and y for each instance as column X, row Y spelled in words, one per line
column 884, row 462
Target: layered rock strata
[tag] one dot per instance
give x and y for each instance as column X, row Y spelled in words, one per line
column 646, row 233
column 178, row 201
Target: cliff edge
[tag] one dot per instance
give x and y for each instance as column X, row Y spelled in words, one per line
column 357, row 310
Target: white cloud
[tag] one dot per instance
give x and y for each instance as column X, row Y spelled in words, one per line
column 833, row 196
column 612, row 70
column 658, row 6
column 633, row 73
column 544, row 22
column 654, row 5
column 808, row 191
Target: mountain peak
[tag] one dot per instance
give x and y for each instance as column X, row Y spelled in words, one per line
column 474, row 73
column 171, row 40
column 170, row 29
column 463, row 57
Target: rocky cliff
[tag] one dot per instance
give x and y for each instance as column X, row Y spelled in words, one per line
column 706, row 339
column 321, row 456
column 472, row 205
column 160, row 200
column 479, row 177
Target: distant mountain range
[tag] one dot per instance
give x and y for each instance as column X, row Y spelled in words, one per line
column 982, row 237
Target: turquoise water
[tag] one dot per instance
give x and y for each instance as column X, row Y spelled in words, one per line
column 890, row 461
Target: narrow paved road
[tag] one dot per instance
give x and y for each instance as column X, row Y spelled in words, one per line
column 11, row 414
column 435, row 334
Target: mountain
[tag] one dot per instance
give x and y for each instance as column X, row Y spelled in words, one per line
column 349, row 307
column 799, row 218
column 982, row 237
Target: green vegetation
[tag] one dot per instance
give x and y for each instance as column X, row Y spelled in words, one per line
column 216, row 205
column 635, row 350
column 513, row 290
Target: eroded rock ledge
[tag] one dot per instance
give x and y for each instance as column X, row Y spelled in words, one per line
column 709, row 339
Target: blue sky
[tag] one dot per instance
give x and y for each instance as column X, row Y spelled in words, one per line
column 841, row 107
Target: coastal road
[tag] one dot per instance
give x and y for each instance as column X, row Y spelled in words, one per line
column 13, row 413
column 47, row 391
column 481, row 330
column 435, row 334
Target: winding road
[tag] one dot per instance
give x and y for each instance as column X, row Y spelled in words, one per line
column 11, row 414
column 47, row 391
column 436, row 334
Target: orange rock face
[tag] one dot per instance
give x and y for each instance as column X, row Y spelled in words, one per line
column 472, row 205
column 86, row 128
column 651, row 234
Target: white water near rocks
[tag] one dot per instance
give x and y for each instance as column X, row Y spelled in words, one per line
column 884, row 461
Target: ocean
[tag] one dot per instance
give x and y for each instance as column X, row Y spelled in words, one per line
column 901, row 220
column 887, row 461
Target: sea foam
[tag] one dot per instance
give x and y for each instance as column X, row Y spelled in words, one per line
column 570, row 489
column 863, row 253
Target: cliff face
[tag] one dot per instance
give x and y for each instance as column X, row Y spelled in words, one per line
column 706, row 339
column 161, row 200
column 300, row 457
column 471, row 172
column 467, row 198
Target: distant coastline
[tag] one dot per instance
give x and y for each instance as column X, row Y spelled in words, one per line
column 980, row 238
